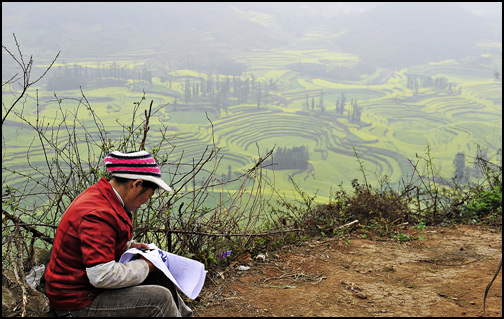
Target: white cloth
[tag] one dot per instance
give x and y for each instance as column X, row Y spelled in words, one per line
column 187, row 274
column 118, row 196
column 118, row 275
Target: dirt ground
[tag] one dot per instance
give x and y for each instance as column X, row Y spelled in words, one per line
column 444, row 275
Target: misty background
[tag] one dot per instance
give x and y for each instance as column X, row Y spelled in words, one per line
column 382, row 34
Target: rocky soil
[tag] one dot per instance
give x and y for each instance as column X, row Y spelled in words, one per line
column 444, row 275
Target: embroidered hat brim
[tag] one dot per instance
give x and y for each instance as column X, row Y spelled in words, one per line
column 135, row 165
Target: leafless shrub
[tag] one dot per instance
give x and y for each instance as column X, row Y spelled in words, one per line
column 65, row 156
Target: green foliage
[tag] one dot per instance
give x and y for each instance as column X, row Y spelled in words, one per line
column 487, row 202
column 420, row 226
column 420, row 202
column 402, row 237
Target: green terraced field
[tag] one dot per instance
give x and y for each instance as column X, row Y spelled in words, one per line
column 396, row 123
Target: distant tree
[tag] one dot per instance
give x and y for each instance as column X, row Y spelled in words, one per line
column 460, row 167
column 321, row 101
column 147, row 76
column 209, row 83
column 356, row 113
column 265, row 94
column 258, row 97
column 187, row 91
column 226, row 85
column 427, row 81
column 245, row 89
column 351, row 113
column 202, row 86
column 340, row 104
column 271, row 85
column 195, row 89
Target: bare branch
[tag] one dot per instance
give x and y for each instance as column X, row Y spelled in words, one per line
column 26, row 70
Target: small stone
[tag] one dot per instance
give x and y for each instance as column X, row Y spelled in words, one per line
column 261, row 257
column 361, row 295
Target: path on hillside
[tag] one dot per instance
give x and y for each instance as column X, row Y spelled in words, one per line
column 445, row 275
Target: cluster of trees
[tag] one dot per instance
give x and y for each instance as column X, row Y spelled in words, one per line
column 71, row 77
column 312, row 105
column 291, row 158
column 414, row 81
column 223, row 88
column 217, row 87
column 354, row 111
column 340, row 104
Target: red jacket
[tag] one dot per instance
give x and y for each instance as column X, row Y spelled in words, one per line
column 93, row 230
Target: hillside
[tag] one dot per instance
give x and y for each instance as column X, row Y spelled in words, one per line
column 443, row 276
column 435, row 32
column 84, row 30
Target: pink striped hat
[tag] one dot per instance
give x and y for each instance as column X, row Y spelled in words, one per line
column 135, row 165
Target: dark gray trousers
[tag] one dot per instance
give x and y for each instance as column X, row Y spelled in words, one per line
column 155, row 297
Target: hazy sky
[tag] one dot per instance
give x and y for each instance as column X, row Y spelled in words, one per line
column 101, row 29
